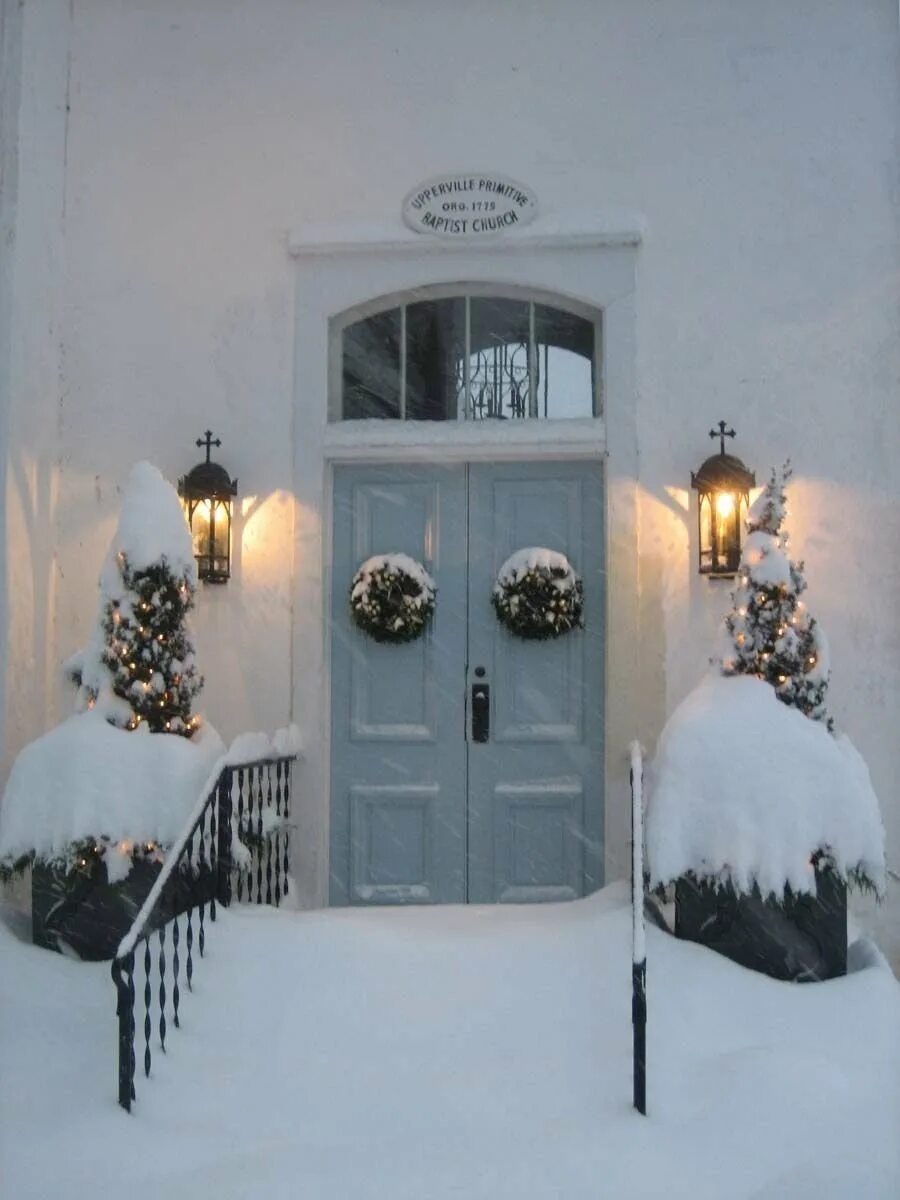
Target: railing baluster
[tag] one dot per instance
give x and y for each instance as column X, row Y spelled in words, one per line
column 201, row 940
column 147, row 999
column 131, row 1059
column 189, row 936
column 276, row 841
column 189, row 941
column 267, row 776
column 257, row 774
column 176, row 994
column 161, row 934
column 284, row 768
column 223, row 883
column 214, row 850
column 125, row 1013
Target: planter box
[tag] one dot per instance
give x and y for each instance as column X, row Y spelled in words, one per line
column 802, row 938
column 82, row 913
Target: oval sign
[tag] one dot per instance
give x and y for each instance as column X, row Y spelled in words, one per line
column 477, row 204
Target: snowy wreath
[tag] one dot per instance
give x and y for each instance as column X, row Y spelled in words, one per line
column 392, row 598
column 538, row 595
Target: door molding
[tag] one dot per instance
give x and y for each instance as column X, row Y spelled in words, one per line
column 464, row 441
column 599, row 271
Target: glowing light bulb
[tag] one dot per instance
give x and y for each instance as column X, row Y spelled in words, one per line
column 724, row 504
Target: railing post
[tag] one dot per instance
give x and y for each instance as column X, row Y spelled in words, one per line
column 638, row 935
column 223, row 855
column 125, row 1013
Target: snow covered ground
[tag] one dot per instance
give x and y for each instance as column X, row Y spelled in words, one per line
column 453, row 1052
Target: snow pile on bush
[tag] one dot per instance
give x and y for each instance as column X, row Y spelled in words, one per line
column 747, row 789
column 87, row 779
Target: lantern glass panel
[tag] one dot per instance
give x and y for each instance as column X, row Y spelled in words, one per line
column 221, row 542
column 726, row 535
column 200, row 528
column 706, row 533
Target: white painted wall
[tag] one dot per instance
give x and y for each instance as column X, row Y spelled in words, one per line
column 760, row 142
column 35, row 41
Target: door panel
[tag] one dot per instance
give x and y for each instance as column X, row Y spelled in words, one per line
column 536, row 785
column 537, row 841
column 398, row 819
column 392, row 840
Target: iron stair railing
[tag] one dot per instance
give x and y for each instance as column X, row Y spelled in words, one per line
column 250, row 802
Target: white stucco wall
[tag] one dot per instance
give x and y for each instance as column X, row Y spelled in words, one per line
column 758, row 141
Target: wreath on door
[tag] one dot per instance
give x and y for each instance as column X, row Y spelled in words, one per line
column 538, row 594
column 392, row 598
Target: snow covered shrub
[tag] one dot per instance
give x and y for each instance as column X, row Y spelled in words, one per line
column 772, row 635
column 108, row 790
column 760, row 813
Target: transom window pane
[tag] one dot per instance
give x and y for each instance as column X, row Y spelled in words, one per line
column 435, row 349
column 469, row 358
column 372, row 366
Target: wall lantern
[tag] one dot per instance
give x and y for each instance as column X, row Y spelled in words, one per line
column 208, row 492
column 723, row 485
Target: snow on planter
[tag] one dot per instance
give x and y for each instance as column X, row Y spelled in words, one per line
column 745, row 789
column 87, row 779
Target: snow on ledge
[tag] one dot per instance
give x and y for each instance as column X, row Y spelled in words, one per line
column 745, row 788
column 549, row 230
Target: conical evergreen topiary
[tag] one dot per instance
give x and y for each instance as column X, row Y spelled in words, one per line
column 140, row 668
column 772, row 635
column 148, row 650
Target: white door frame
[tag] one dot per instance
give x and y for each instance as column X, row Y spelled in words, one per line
column 596, row 269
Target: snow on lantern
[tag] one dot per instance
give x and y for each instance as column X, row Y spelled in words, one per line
column 208, row 492
column 723, row 486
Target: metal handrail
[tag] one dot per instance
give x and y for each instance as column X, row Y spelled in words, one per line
column 235, row 798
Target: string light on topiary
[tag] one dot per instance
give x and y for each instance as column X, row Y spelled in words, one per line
column 774, row 637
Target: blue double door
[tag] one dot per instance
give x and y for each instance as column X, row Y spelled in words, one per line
column 467, row 765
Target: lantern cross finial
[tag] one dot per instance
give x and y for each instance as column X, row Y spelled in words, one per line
column 207, row 442
column 721, row 433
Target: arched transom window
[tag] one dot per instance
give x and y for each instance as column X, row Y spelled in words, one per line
column 443, row 354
